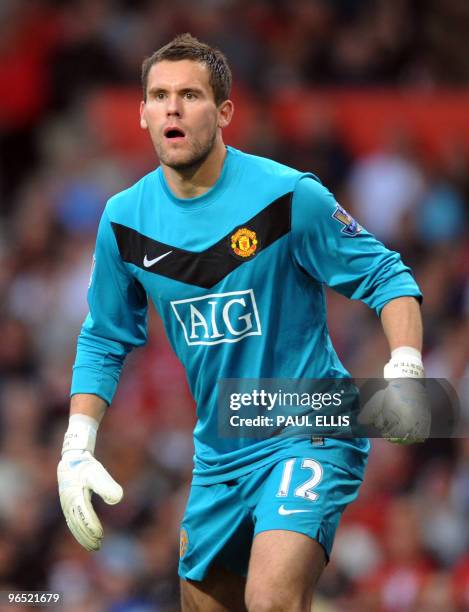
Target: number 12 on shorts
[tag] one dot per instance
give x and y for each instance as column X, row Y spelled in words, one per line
column 304, row 490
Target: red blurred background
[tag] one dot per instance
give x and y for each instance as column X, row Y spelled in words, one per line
column 372, row 96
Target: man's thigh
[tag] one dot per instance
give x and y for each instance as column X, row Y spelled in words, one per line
column 283, row 570
column 292, row 508
column 296, row 519
column 220, row 591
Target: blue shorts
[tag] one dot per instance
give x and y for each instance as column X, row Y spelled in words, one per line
column 304, row 493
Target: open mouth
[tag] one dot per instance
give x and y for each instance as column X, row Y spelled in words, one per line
column 173, row 133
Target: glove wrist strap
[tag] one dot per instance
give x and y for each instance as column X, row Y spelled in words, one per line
column 405, row 362
column 401, row 352
column 81, row 433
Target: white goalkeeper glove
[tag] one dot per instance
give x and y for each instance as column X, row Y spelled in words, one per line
column 401, row 410
column 78, row 474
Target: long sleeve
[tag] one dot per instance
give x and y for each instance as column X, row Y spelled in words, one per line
column 329, row 245
column 116, row 323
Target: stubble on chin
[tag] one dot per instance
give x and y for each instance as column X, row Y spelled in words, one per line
column 190, row 160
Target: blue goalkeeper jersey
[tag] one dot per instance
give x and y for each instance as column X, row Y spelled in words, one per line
column 237, row 276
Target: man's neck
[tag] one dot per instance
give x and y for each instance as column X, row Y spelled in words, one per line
column 196, row 181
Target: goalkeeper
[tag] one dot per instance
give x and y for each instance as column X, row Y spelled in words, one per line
column 234, row 251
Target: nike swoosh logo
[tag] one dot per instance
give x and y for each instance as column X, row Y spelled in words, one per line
column 149, row 262
column 284, row 512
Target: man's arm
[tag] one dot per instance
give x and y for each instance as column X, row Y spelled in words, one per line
column 402, row 323
column 332, row 248
column 401, row 410
column 89, row 405
column 116, row 323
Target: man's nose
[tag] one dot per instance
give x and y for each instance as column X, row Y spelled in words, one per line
column 173, row 106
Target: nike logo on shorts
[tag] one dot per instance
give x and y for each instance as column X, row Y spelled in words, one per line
column 284, row 512
column 149, row 262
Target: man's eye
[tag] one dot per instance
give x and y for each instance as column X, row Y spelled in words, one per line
column 160, row 96
column 190, row 95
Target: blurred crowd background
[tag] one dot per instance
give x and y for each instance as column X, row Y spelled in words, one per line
column 371, row 95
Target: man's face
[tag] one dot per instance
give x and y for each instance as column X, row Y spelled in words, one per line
column 180, row 112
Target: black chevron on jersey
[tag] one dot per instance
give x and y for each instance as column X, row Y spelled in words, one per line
column 206, row 268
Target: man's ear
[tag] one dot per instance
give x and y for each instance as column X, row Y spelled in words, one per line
column 143, row 121
column 225, row 113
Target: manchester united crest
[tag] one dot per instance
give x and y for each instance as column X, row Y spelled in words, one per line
column 244, row 242
column 183, row 542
